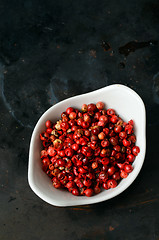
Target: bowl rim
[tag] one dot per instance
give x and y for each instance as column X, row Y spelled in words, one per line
column 91, row 200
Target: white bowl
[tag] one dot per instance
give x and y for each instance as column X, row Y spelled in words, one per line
column 127, row 104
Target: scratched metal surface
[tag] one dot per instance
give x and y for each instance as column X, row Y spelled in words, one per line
column 51, row 50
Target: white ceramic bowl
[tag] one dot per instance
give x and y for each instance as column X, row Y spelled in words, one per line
column 127, row 104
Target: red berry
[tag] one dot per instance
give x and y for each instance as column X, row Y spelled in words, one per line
column 111, row 171
column 103, row 118
column 105, row 186
column 44, row 136
column 69, row 152
column 112, row 183
column 128, row 168
column 105, row 143
column 85, row 124
column 128, row 150
column 106, row 131
column 101, row 123
column 103, row 112
column 105, row 161
column 87, row 151
column 132, row 138
column 135, row 150
column 110, row 112
column 43, row 153
column 51, row 151
column 58, row 144
column 116, row 176
column 85, row 161
column 87, row 182
column 114, row 119
column 69, row 110
column 107, row 152
column 113, row 141
column 101, row 135
column 75, row 146
column 94, row 145
column 64, row 126
column 56, row 183
column 87, row 133
column 97, row 190
column 49, row 130
column 117, row 129
column 86, row 117
column 95, row 130
column 117, row 148
column 72, row 122
column 105, row 168
column 91, row 107
column 80, row 115
column 70, row 184
column 130, row 157
column 74, row 128
column 126, row 143
column 103, row 176
column 46, row 161
column 75, row 192
column 94, row 165
column 123, row 174
column 48, row 124
column 93, row 138
column 129, row 129
column 79, row 183
column 88, row 192
column 100, row 105
column 62, row 153
column 84, row 108
column 65, row 119
column 97, row 115
column 122, row 135
column 61, row 162
column 70, row 176
column 113, row 154
column 103, row 152
column 72, row 115
column 79, row 121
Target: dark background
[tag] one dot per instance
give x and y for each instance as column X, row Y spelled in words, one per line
column 49, row 51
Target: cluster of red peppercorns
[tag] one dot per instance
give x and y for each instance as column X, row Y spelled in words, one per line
column 88, row 150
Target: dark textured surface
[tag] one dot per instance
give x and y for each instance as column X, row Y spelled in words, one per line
column 51, row 50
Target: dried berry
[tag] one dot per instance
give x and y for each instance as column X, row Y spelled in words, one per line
column 89, row 150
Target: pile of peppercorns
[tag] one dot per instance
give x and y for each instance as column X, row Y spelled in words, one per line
column 88, row 150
